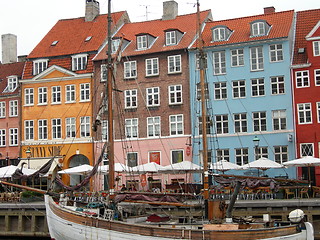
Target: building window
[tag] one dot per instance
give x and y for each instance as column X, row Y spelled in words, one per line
column 220, row 90
column 70, row 93
column 219, row 63
column 142, row 42
column 152, row 67
column 132, row 159
column 279, row 119
column 277, row 85
column 130, row 69
column 131, row 127
column 223, row 154
column 302, row 79
column 29, row 130
column 79, row 62
column 28, row 96
column 131, row 98
column 13, row 108
column 176, row 124
column 2, row 109
column 2, row 137
column 155, row 156
column 316, row 48
column 43, row 95
column 276, row 53
column 85, row 127
column 222, row 124
column 56, row 128
column 259, row 121
column 84, row 92
column 42, row 129
column 306, row 149
column 318, row 111
column 171, row 38
column 39, row 66
column 208, row 125
column 205, row 61
column 115, row 45
column 176, row 156
column 240, row 122
column 239, row 89
column 13, row 136
column 281, row 154
column 258, row 29
column 175, row 94
column 237, row 57
column 153, row 96
column 56, row 94
column 257, row 87
column 241, row 155
column 104, row 129
column 12, row 84
column 104, row 73
column 153, row 126
column 71, row 127
column 206, row 91
column 256, row 58
column 219, row 34
column 261, row 152
column 174, row 64
column 317, row 77
column 304, row 113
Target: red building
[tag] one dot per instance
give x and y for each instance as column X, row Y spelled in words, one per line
column 306, row 88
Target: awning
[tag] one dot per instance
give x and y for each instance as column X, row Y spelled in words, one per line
column 37, row 163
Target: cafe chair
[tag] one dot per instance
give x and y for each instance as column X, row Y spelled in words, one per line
column 289, row 193
column 304, row 191
column 316, row 191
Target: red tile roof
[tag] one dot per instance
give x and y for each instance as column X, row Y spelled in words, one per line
column 186, row 24
column 71, row 35
column 280, row 22
column 7, row 70
column 306, row 20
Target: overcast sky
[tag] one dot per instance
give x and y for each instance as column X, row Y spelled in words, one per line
column 30, row 20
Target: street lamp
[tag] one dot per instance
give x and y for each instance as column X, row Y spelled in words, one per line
column 28, row 153
column 256, row 141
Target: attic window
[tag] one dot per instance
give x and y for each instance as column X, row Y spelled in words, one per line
column 54, row 43
column 12, row 84
column 88, row 38
column 259, row 28
column 301, row 50
column 220, row 33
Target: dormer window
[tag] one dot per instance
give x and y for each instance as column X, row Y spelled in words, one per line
column 39, row 66
column 172, row 37
column 142, row 42
column 12, row 84
column 220, row 33
column 115, row 45
column 79, row 62
column 259, row 28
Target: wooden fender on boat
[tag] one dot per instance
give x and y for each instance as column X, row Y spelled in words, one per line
column 216, row 210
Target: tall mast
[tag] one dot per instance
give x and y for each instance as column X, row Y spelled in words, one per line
column 203, row 109
column 110, row 109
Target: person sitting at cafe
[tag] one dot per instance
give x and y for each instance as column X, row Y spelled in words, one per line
column 123, row 188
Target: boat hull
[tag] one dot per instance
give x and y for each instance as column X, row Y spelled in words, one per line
column 65, row 224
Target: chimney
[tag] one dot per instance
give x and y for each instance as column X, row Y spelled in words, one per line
column 268, row 10
column 9, row 48
column 170, row 10
column 92, row 10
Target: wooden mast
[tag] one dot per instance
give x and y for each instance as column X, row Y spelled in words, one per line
column 110, row 108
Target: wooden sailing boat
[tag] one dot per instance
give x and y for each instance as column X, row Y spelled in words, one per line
column 65, row 222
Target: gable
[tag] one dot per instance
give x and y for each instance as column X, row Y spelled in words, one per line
column 314, row 33
column 55, row 72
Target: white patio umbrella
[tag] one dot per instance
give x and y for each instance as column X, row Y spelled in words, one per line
column 150, row 167
column 263, row 164
column 118, row 167
column 8, row 171
column 184, row 166
column 306, row 161
column 79, row 170
column 224, row 165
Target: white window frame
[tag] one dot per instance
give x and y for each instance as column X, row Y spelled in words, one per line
column 279, row 120
column 176, row 125
column 56, row 95
column 281, row 154
column 14, row 141
column 39, row 66
column 79, row 62
column 142, row 42
column 42, row 129
column 3, row 139
column 240, row 119
column 220, row 91
column 104, row 129
column 103, row 73
column 222, row 124
column 70, row 93
column 130, row 69
column 241, row 156
column 257, row 87
column 304, row 111
column 259, row 120
column 171, row 38
column 261, row 152
column 318, row 111
column 174, row 64
column 153, row 127
column 12, row 84
column 237, row 57
column 302, row 79
column 134, row 158
column 198, row 61
column 28, row 96
column 153, row 97
column 179, row 151
column 42, row 96
column 317, row 77
column 131, row 128
column 2, row 109
column 13, row 108
column 56, row 128
column 316, row 48
column 152, row 67
column 277, row 85
column 276, row 53
column 208, row 125
column 85, row 92
column 175, row 94
column 238, row 89
column 258, row 29
column 85, row 127
column 131, row 98
column 219, row 34
column 309, row 148
column 219, row 63
column 115, row 45
column 223, row 154
column 29, row 130
column 71, row 127
column 256, row 59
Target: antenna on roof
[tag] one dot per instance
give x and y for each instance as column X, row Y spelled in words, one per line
column 146, row 6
